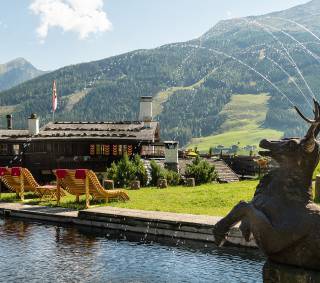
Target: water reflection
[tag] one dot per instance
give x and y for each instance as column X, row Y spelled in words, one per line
column 38, row 252
column 276, row 273
column 16, row 229
column 35, row 252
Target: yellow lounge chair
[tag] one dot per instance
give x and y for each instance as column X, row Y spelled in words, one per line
column 85, row 182
column 20, row 180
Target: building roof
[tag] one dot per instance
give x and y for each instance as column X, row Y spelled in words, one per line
column 4, row 133
column 145, row 132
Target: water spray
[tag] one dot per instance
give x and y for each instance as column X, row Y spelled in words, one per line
column 289, row 76
column 297, row 24
column 249, row 67
column 287, row 53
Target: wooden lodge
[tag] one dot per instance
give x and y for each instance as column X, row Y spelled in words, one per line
column 92, row 145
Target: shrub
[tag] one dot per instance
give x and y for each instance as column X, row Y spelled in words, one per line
column 173, row 178
column 126, row 171
column 201, row 171
column 157, row 172
column 141, row 172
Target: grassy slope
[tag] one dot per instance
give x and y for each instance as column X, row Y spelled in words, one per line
column 161, row 97
column 244, row 116
column 74, row 98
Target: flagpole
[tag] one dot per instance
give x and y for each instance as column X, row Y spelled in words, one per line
column 54, row 99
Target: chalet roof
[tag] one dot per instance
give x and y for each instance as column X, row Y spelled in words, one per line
column 13, row 133
column 87, row 130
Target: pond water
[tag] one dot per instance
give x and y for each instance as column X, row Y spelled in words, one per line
column 37, row 252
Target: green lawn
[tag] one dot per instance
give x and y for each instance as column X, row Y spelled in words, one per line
column 244, row 117
column 211, row 199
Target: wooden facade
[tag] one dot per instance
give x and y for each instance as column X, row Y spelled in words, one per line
column 75, row 145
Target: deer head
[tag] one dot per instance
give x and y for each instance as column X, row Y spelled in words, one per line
column 295, row 152
column 309, row 141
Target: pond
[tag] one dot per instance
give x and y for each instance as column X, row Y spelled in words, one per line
column 37, row 252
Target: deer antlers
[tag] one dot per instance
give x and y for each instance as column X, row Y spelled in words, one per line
column 309, row 139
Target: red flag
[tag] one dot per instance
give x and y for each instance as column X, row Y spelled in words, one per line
column 54, row 97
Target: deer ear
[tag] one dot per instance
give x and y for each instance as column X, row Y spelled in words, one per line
column 309, row 143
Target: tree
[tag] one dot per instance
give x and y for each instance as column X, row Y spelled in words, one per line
column 157, row 172
column 126, row 171
column 201, row 171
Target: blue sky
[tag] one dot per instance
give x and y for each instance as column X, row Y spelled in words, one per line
column 55, row 33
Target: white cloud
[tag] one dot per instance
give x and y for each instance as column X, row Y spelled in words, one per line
column 81, row 16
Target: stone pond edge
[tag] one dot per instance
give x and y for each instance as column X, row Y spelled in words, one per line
column 172, row 225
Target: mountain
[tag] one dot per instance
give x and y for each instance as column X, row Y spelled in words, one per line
column 15, row 72
column 194, row 82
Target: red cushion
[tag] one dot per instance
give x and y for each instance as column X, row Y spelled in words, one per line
column 81, row 173
column 3, row 171
column 16, row 171
column 61, row 173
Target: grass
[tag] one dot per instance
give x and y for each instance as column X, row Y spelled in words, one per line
column 210, row 199
column 316, row 172
column 74, row 98
column 163, row 96
column 8, row 109
column 244, row 117
column 66, row 202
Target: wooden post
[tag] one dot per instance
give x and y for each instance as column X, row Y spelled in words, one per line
column 87, row 192
column 58, row 191
column 317, row 189
column 21, row 187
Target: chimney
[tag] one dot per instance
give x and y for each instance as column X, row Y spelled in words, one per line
column 145, row 114
column 33, row 125
column 9, row 122
column 171, row 155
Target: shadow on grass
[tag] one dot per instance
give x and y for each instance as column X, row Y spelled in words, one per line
column 70, row 204
column 66, row 202
column 12, row 197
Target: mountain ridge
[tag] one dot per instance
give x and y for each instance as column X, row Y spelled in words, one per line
column 113, row 85
column 17, row 71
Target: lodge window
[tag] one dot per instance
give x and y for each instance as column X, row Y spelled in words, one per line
column 68, row 148
column 59, row 148
column 120, row 149
column 3, row 149
column 49, row 147
column 108, row 150
column 56, row 148
column 40, row 147
column 16, row 149
column 62, row 148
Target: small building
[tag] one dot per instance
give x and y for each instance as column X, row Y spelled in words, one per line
column 93, row 145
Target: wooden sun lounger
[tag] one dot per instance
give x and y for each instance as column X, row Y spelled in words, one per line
column 85, row 182
column 20, row 180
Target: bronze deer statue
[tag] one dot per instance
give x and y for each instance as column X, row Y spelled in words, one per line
column 282, row 216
